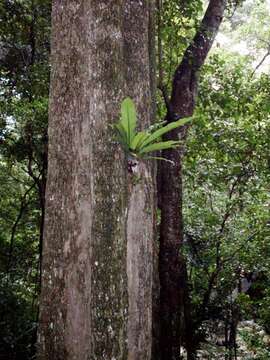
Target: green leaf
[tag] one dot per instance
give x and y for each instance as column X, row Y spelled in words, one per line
column 122, row 136
column 128, row 119
column 121, row 131
column 159, row 146
column 158, row 133
column 138, row 139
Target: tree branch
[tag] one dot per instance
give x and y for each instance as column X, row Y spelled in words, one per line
column 174, row 291
column 261, row 62
column 23, row 206
column 185, row 78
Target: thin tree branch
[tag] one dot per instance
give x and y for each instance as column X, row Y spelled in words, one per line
column 23, row 206
column 260, row 63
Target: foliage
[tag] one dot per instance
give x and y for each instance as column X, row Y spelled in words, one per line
column 246, row 31
column 256, row 342
column 226, row 197
column 24, row 82
column 18, row 322
column 246, row 21
column 138, row 144
column 19, row 265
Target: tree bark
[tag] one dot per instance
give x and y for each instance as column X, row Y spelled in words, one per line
column 96, row 297
column 172, row 266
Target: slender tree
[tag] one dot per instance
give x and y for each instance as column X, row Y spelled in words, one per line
column 96, row 296
column 174, row 296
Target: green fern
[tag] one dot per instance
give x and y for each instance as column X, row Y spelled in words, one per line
column 139, row 144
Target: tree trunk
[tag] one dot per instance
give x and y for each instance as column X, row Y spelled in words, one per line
column 96, row 298
column 234, row 321
column 172, row 266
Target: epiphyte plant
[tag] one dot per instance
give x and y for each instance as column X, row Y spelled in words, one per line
column 138, row 145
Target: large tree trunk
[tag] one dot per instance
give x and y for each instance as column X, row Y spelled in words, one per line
column 172, row 267
column 96, row 296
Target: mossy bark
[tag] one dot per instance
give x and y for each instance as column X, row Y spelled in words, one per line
column 96, row 295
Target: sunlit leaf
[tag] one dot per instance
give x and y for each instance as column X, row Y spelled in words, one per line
column 159, row 146
column 165, row 129
column 128, row 118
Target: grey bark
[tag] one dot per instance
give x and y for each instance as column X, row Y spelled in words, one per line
column 96, row 298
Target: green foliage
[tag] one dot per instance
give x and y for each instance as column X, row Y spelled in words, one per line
column 263, row 307
column 17, row 322
column 252, row 24
column 256, row 343
column 138, row 144
column 226, row 180
column 24, row 82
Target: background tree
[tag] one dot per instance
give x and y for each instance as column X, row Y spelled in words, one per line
column 172, row 269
